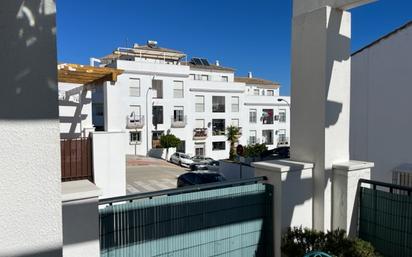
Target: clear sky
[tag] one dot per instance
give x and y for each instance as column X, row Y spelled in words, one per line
column 249, row 35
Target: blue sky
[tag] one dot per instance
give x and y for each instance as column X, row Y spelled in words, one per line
column 247, row 35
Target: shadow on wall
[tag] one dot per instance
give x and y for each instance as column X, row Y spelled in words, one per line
column 340, row 44
column 29, row 77
column 77, row 118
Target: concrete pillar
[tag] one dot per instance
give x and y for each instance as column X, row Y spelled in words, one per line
column 30, row 191
column 80, row 219
column 114, row 118
column 345, row 193
column 109, row 162
column 292, row 196
column 321, row 93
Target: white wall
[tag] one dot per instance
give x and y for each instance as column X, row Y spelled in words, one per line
column 381, row 123
column 30, row 197
column 75, row 110
column 109, row 162
column 80, row 219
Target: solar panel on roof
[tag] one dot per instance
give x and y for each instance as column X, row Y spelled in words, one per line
column 205, row 62
column 197, row 61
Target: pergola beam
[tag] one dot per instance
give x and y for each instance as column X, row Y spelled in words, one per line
column 86, row 75
column 305, row 6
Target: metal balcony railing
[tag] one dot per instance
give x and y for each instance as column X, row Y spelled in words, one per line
column 200, row 133
column 178, row 121
column 135, row 121
column 283, row 141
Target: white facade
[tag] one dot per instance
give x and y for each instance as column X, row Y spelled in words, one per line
column 189, row 95
column 380, row 128
column 75, row 110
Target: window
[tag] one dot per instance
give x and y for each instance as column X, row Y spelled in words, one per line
column 134, row 112
column 252, row 137
column 267, row 137
column 282, row 115
column 178, row 89
column 216, row 146
column 235, row 104
column 200, row 149
column 267, row 116
column 271, row 93
column 205, row 77
column 255, row 91
column 225, row 78
column 135, row 137
column 234, row 123
column 157, row 115
column 178, row 113
column 199, row 123
column 218, row 103
column 181, row 147
column 199, row 103
column 282, row 136
column 134, row 89
column 219, row 127
column 252, row 115
column 157, row 86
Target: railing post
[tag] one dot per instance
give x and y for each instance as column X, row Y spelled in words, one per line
column 345, row 193
column 292, row 199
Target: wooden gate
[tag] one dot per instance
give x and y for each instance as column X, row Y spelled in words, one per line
column 76, row 159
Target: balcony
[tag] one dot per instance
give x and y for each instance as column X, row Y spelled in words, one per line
column 135, row 121
column 267, row 120
column 283, row 141
column 199, row 133
column 178, row 121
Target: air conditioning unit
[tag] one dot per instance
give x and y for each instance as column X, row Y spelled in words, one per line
column 402, row 175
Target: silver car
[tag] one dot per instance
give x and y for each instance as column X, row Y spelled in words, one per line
column 181, row 159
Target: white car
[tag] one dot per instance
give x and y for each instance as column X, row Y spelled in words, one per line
column 181, row 159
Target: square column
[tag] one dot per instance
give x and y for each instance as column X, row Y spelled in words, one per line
column 321, row 99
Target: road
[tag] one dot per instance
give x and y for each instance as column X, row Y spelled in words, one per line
column 147, row 174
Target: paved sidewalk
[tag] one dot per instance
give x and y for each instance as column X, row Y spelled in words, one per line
column 145, row 174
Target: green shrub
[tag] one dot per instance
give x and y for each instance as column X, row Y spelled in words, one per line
column 254, row 150
column 297, row 242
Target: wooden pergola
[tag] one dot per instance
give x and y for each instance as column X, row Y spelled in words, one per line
column 86, row 75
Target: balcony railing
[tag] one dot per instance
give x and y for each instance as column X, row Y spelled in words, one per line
column 178, row 121
column 267, row 120
column 283, row 141
column 200, row 133
column 135, row 121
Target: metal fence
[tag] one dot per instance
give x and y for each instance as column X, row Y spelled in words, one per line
column 76, row 159
column 385, row 217
column 219, row 219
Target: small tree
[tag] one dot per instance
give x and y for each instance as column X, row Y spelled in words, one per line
column 169, row 141
column 233, row 138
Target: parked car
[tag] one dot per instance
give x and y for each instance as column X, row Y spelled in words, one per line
column 200, row 163
column 193, row 178
column 213, row 166
column 181, row 159
column 201, row 159
column 282, row 152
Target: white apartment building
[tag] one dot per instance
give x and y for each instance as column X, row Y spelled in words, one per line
column 159, row 93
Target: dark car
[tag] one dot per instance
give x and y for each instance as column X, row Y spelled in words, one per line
column 282, row 152
column 192, row 178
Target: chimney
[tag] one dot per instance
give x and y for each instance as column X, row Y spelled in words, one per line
column 249, row 75
column 217, row 63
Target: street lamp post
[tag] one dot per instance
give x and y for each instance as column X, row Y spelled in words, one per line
column 283, row 100
column 147, row 121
